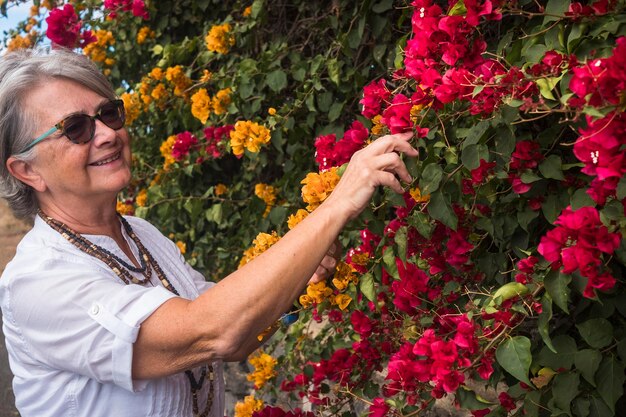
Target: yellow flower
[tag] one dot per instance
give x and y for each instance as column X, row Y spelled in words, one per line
column 248, row 135
column 315, row 294
column 247, row 11
column 19, row 42
column 344, row 275
column 342, row 301
column 34, row 10
column 219, row 39
column 206, row 76
column 144, row 33
column 201, row 105
column 157, row 74
column 260, row 244
column 142, row 198
column 294, row 219
column 166, row 151
column 132, row 105
column 220, row 189
column 159, row 93
column 97, row 50
column 267, row 193
column 182, row 246
column 271, row 111
column 221, row 101
column 124, row 209
column 177, row 77
column 248, row 406
column 378, row 128
column 317, row 187
column 263, row 369
column 418, row 197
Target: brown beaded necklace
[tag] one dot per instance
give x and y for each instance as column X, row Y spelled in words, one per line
column 122, row 270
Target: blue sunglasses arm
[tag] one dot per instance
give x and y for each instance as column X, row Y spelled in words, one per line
column 40, row 138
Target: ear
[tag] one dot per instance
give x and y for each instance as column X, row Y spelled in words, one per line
column 25, row 172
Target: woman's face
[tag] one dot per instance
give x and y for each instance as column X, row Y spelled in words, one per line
column 89, row 173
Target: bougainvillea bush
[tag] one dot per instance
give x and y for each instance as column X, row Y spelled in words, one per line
column 501, row 268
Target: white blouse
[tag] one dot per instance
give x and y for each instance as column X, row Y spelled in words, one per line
column 70, row 325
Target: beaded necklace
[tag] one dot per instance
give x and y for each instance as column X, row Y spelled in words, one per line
column 121, row 270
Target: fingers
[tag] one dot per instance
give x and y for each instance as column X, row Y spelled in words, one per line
column 393, row 163
column 394, row 143
column 328, row 264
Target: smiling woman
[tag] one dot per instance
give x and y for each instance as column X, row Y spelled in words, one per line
column 102, row 315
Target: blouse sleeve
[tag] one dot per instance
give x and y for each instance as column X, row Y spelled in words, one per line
column 75, row 316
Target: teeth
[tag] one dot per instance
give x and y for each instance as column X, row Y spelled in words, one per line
column 106, row 161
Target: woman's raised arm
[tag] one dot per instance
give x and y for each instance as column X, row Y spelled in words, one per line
column 224, row 321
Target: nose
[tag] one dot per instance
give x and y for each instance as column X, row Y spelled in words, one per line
column 103, row 134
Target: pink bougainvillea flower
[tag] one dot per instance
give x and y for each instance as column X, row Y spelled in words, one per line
column 183, row 144
column 330, row 152
column 482, row 172
column 397, row 117
column 577, row 243
column 374, row 94
column 379, row 408
column 406, row 291
column 137, row 7
column 64, row 28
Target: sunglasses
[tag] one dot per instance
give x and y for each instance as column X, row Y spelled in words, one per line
column 80, row 128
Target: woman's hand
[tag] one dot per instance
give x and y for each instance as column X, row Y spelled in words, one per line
column 377, row 164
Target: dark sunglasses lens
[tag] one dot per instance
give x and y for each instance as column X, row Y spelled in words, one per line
column 79, row 128
column 112, row 114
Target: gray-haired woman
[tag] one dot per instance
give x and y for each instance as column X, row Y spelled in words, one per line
column 102, row 316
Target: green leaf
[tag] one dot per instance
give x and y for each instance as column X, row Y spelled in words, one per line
column 621, row 188
column 366, row 285
column 529, row 177
column 334, row 70
column 382, row 6
column 580, row 198
column 598, row 333
column 555, row 10
column 214, row 214
column 565, row 389
column 534, row 53
column 335, row 111
column 475, row 134
column 389, row 259
column 431, row 178
column 598, row 408
column 400, row 239
column 587, row 362
column 458, row 9
column 543, row 323
column 552, row 207
column 551, row 168
column 556, row 284
column 546, row 85
column 277, row 80
column 469, row 400
column 564, row 358
column 421, row 222
column 472, row 154
column 610, row 381
column 525, row 217
column 440, row 209
column 514, row 357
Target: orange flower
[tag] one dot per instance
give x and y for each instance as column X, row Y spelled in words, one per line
column 317, row 187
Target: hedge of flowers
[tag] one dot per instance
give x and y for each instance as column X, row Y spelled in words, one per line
column 501, row 268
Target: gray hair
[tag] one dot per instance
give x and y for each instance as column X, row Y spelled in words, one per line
column 22, row 71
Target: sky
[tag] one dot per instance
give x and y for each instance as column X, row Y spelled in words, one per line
column 15, row 14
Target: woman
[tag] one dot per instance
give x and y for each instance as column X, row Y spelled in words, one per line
column 102, row 316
